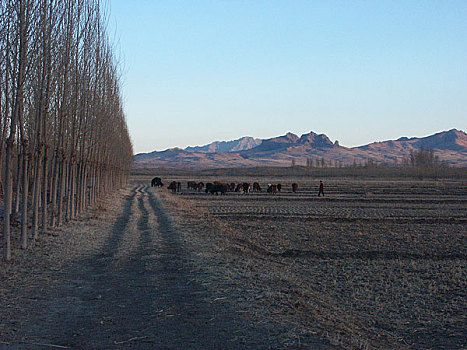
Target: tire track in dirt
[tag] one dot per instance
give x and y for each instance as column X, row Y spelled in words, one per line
column 151, row 299
column 197, row 319
column 78, row 312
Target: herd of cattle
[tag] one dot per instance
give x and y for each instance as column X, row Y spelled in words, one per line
column 219, row 187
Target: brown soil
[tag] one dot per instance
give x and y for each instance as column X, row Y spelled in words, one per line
column 373, row 265
column 131, row 275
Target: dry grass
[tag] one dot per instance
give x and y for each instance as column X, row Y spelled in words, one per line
column 41, row 266
column 376, row 264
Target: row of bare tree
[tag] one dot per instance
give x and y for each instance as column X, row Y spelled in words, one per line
column 64, row 139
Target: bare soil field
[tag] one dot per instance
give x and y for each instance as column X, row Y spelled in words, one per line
column 373, row 264
column 125, row 276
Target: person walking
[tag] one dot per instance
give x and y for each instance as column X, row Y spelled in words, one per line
column 321, row 189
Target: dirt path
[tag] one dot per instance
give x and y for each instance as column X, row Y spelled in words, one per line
column 140, row 291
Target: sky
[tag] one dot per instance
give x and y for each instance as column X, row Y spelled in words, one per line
column 194, row 72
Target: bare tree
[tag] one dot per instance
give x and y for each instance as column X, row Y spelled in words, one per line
column 62, row 126
column 18, row 80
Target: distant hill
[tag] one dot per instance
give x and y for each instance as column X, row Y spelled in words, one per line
column 450, row 146
column 242, row 144
column 453, row 140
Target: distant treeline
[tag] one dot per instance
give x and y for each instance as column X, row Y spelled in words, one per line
column 63, row 136
column 417, row 158
column 348, row 171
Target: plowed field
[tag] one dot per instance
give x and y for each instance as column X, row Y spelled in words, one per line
column 373, row 264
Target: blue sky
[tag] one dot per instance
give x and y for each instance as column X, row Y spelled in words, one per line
column 359, row 71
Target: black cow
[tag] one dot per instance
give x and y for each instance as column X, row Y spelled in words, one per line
column 256, row 187
column 279, row 187
column 222, row 188
column 156, row 182
column 200, row 186
column 272, row 188
column 227, row 186
column 208, row 187
column 173, row 186
column 246, row 187
column 192, row 184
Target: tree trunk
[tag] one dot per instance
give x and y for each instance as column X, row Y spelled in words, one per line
column 63, row 170
column 7, row 204
column 44, row 193
column 24, row 216
column 18, row 182
column 12, row 138
column 70, row 190
column 53, row 195
column 36, row 196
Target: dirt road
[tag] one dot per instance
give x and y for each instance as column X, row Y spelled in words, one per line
column 140, row 290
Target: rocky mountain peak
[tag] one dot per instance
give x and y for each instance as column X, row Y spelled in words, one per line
column 288, row 138
column 315, row 140
column 241, row 144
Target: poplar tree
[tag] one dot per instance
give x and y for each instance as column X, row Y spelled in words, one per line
column 64, row 141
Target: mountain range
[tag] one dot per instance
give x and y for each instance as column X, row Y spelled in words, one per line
column 241, row 144
column 450, row 146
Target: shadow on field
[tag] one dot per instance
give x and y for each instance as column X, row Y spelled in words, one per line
column 361, row 254
column 152, row 299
